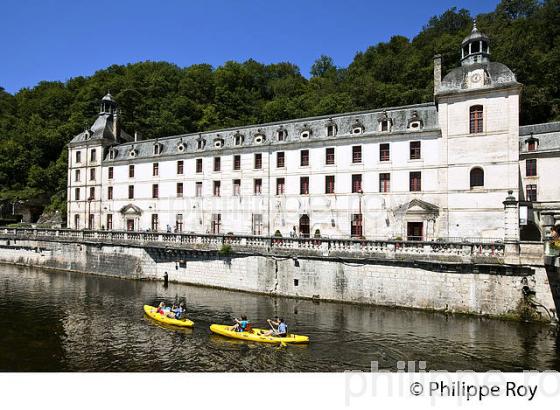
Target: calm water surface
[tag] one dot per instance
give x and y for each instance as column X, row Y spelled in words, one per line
column 58, row 321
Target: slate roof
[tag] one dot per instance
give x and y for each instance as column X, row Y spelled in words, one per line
column 498, row 75
column 548, row 135
column 102, row 129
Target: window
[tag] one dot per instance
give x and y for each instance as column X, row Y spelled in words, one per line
column 477, row 177
column 179, row 189
column 179, row 223
column 415, row 150
column 331, row 130
column 304, row 185
column 198, row 165
column 236, row 187
column 384, row 152
column 257, row 224
column 236, row 162
column 357, row 183
column 356, row 154
column 258, row 186
column 415, row 181
column 198, row 189
column 280, row 160
column 157, row 149
column 109, row 192
column 280, row 184
column 531, row 168
column 109, row 222
column 91, row 221
column 77, row 194
column 92, row 174
column 329, row 156
column 282, row 135
column 93, row 155
column 91, row 194
column 131, row 192
column 329, row 184
column 77, row 221
column 532, row 145
column 476, row 122
column 155, row 191
column 180, row 168
column 131, row 171
column 77, row 175
column 385, row 125
column 112, row 153
column 217, row 186
column 200, row 144
column 217, row 164
column 532, row 193
column 384, row 182
column 155, row 222
column 238, row 139
column 110, row 172
column 356, row 226
column 304, row 157
column 155, row 169
column 258, row 161
column 78, row 156
column 216, row 223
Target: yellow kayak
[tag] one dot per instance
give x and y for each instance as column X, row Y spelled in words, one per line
column 257, row 335
column 152, row 312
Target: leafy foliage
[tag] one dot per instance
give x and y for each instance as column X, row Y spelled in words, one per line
column 159, row 98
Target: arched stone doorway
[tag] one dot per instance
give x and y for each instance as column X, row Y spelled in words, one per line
column 304, row 226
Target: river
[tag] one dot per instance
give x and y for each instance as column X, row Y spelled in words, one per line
column 61, row 321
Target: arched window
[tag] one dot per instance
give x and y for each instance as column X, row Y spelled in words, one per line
column 477, row 177
column 476, row 123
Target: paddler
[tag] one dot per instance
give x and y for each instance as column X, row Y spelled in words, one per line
column 240, row 325
column 279, row 328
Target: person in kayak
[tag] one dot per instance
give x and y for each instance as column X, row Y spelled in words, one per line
column 177, row 312
column 240, row 325
column 160, row 309
column 279, row 328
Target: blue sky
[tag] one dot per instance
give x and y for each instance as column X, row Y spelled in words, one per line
column 57, row 40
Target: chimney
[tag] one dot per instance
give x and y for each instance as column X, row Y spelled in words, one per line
column 437, row 73
column 116, row 124
column 135, row 136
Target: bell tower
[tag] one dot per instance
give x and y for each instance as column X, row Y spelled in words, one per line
column 475, row 48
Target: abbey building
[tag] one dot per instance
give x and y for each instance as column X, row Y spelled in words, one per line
column 420, row 172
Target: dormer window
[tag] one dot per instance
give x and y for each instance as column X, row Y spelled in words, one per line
column 385, row 123
column 87, row 134
column 259, row 138
column 200, row 143
column 415, row 122
column 532, row 143
column 358, row 128
column 305, row 133
column 158, row 148
column 331, row 129
column 218, row 143
column 112, row 153
column 133, row 152
column 238, row 138
column 181, row 147
column 281, row 134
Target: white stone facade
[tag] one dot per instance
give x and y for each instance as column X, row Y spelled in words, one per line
column 432, row 151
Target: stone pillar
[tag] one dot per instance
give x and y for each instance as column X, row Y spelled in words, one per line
column 511, row 229
column 437, row 73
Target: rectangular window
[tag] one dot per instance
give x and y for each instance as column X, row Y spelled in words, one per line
column 131, row 192
column 304, row 157
column 357, row 183
column 217, row 164
column 329, row 184
column 93, row 155
column 415, row 150
column 77, row 175
column 385, row 182
column 476, row 121
column 257, row 224
column 155, row 169
column 216, row 223
column 155, row 191
column 109, row 222
column 385, row 125
column 131, row 171
column 258, row 186
column 282, row 135
column 532, row 193
column 236, row 187
column 78, row 156
column 91, row 221
column 331, row 130
column 198, row 165
column 415, row 184
column 384, row 152
column 217, row 186
column 356, row 226
column 110, row 173
column 531, row 167
column 357, row 154
column 532, row 145
column 280, row 183
column 258, row 161
column 92, row 174
column 329, row 156
column 180, row 165
column 109, row 192
column 198, row 189
column 280, row 160
column 304, row 185
column 179, row 223
column 179, row 189
column 77, row 194
column 236, row 162
column 91, row 194
column 155, row 222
